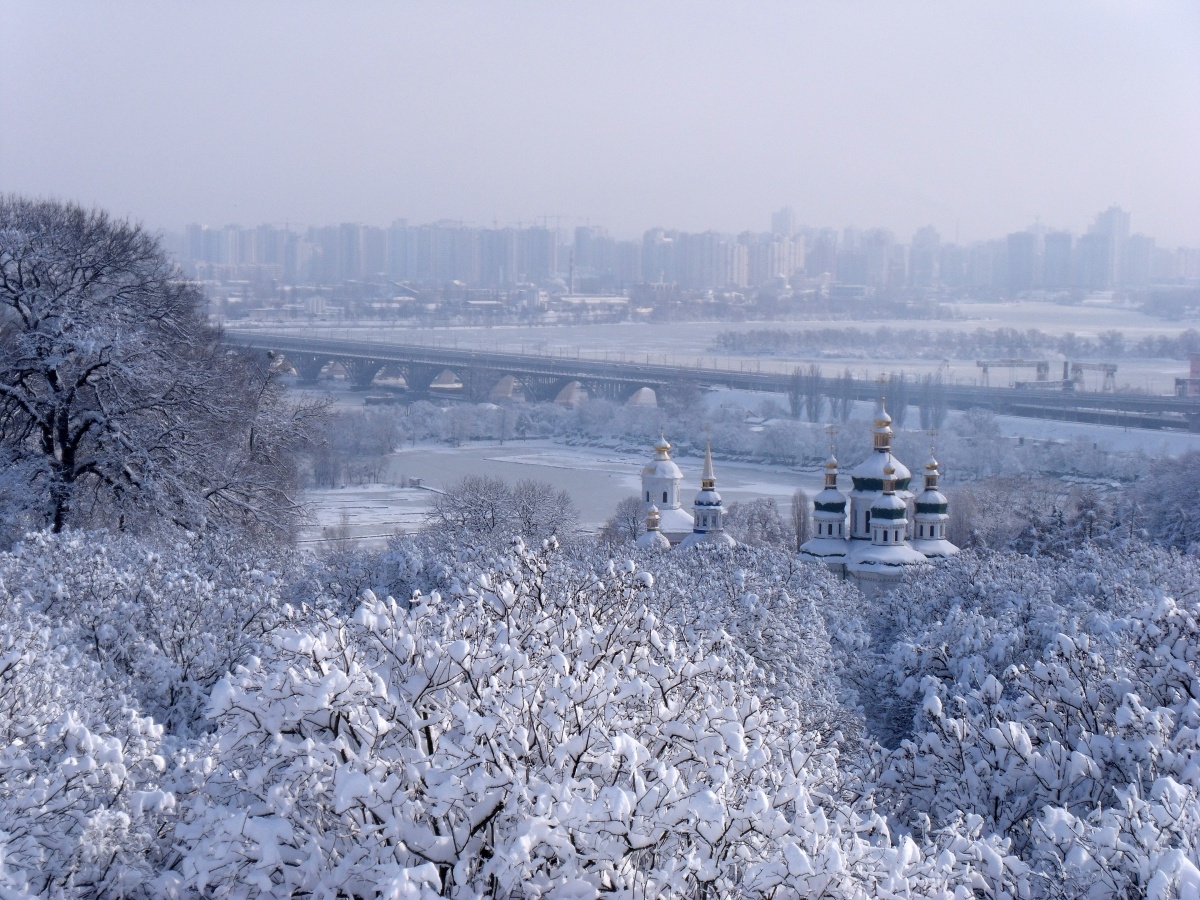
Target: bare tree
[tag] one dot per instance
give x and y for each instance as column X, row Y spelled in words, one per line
column 473, row 505
column 897, row 397
column 757, row 523
column 932, row 402
column 541, row 510
column 795, row 392
column 479, row 506
column 118, row 402
column 801, row 521
column 805, row 393
column 814, row 401
column 841, row 396
column 627, row 523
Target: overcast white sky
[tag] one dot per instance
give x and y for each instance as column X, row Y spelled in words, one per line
column 975, row 116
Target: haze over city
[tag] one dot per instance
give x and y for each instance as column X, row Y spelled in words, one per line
column 573, row 450
column 978, row 120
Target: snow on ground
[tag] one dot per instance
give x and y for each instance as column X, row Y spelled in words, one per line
column 372, row 513
column 596, row 479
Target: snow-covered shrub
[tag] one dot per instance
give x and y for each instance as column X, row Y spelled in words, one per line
column 83, row 804
column 164, row 622
column 1059, row 703
column 536, row 731
column 1169, row 498
column 772, row 608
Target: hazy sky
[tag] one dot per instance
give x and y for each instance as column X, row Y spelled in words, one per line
column 970, row 116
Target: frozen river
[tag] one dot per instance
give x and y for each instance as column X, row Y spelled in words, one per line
column 596, row 479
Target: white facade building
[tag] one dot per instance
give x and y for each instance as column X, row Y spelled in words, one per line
column 887, row 529
column 661, row 483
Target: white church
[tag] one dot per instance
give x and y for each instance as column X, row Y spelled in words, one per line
column 885, row 529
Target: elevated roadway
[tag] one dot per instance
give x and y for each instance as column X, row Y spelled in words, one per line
column 477, row 372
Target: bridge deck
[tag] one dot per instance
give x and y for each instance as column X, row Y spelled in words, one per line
column 1131, row 410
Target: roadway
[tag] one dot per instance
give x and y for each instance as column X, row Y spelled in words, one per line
column 1108, row 408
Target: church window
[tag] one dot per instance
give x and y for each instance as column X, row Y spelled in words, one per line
column 664, row 496
column 647, row 496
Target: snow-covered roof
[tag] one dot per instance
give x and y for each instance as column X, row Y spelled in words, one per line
column 872, row 468
column 933, row 549
column 934, row 501
column 825, row 549
column 707, row 537
column 829, row 497
column 676, row 522
column 653, row 540
column 889, row 503
column 866, row 557
column 662, row 468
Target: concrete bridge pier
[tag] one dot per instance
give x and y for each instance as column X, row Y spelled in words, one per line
column 419, row 378
column 542, row 388
column 362, row 372
column 308, row 366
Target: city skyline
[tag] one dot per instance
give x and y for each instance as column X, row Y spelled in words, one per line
column 1108, row 255
column 977, row 120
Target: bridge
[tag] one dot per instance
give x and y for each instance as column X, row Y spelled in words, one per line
column 474, row 374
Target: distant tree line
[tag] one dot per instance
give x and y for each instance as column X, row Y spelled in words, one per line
column 926, row 343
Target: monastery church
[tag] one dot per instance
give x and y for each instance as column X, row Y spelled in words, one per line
column 871, row 535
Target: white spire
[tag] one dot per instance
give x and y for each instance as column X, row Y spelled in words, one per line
column 661, row 483
column 707, row 512
column 931, row 516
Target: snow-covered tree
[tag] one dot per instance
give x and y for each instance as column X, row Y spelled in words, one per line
column 1169, row 500
column 162, row 622
column 535, row 732
column 84, row 807
column 758, row 522
column 1055, row 703
column 118, row 403
column 627, row 523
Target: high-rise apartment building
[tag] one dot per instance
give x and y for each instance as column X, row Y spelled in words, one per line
column 783, row 222
column 923, row 257
column 1022, row 269
column 1058, row 271
column 1139, row 260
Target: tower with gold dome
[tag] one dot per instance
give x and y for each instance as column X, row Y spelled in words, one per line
column 661, row 483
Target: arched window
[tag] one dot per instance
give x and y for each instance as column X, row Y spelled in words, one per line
column 647, row 496
column 664, row 496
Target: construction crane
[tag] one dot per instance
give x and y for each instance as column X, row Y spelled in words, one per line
column 1109, row 370
column 1041, row 366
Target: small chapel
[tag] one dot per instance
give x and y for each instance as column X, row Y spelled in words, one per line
column 872, row 534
